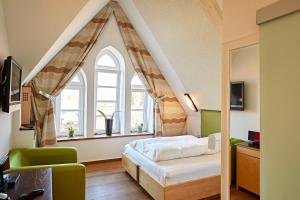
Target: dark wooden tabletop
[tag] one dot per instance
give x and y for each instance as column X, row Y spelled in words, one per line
column 32, row 180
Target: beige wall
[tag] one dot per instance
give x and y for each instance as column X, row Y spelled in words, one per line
column 280, row 108
column 100, row 149
column 34, row 25
column 245, row 67
column 5, row 119
column 239, row 17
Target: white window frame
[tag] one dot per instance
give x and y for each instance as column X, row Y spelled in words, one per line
column 118, row 101
column 147, row 98
column 81, row 86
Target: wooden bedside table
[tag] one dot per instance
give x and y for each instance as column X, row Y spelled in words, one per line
column 248, row 167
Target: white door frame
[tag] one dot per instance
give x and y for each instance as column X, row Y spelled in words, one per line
column 228, row 47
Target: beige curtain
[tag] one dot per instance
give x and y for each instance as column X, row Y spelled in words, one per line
column 171, row 116
column 49, row 82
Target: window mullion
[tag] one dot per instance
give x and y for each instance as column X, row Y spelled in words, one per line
column 104, row 86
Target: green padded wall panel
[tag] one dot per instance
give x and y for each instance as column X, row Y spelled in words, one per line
column 210, row 122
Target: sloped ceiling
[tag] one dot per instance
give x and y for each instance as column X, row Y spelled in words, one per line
column 213, row 11
column 178, row 34
column 34, row 25
column 191, row 44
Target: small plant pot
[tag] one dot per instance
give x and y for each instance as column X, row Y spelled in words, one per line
column 71, row 133
column 140, row 129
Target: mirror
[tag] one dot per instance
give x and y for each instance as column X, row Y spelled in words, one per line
column 244, row 119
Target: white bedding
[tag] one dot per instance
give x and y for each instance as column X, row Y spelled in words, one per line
column 214, row 143
column 168, row 148
column 179, row 170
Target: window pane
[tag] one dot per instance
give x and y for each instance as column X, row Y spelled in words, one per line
column 100, row 123
column 106, row 60
column 137, row 100
column 107, row 108
column 137, row 117
column 69, row 119
column 106, row 94
column 136, row 81
column 107, row 79
column 75, row 79
column 70, row 99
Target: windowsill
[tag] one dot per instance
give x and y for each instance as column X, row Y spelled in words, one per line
column 24, row 128
column 102, row 136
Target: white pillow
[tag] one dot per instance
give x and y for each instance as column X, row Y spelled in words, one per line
column 214, row 142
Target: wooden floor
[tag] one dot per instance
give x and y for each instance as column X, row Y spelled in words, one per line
column 109, row 181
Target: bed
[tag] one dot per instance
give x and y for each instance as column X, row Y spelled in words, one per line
column 185, row 178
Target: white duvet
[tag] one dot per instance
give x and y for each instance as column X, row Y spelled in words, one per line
column 168, row 148
column 175, row 171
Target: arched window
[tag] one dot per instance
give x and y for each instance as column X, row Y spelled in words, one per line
column 70, row 106
column 141, row 106
column 108, row 89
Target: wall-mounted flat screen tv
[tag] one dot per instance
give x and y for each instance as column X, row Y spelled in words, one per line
column 237, row 101
column 11, row 88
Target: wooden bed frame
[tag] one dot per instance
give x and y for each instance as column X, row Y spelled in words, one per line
column 190, row 190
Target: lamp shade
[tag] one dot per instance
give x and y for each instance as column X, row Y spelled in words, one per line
column 190, row 102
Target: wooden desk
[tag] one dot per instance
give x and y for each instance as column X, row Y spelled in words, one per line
column 248, row 167
column 32, row 180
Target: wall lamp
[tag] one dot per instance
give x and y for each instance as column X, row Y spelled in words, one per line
column 190, row 102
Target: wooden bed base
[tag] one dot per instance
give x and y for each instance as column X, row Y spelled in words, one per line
column 190, row 190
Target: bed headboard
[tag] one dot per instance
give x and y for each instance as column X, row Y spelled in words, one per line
column 210, row 122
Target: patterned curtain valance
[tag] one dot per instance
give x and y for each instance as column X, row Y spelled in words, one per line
column 59, row 71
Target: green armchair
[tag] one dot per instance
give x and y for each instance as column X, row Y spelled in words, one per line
column 234, row 142
column 68, row 177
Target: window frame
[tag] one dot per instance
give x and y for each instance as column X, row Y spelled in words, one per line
column 81, row 86
column 118, row 101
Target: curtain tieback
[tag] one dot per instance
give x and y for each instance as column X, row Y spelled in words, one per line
column 48, row 96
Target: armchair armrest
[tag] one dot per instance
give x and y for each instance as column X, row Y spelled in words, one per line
column 42, row 156
column 69, row 178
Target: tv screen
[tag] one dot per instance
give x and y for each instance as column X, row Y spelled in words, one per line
column 237, row 96
column 15, row 86
column 11, row 91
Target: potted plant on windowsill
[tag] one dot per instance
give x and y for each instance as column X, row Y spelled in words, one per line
column 140, row 127
column 71, row 131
